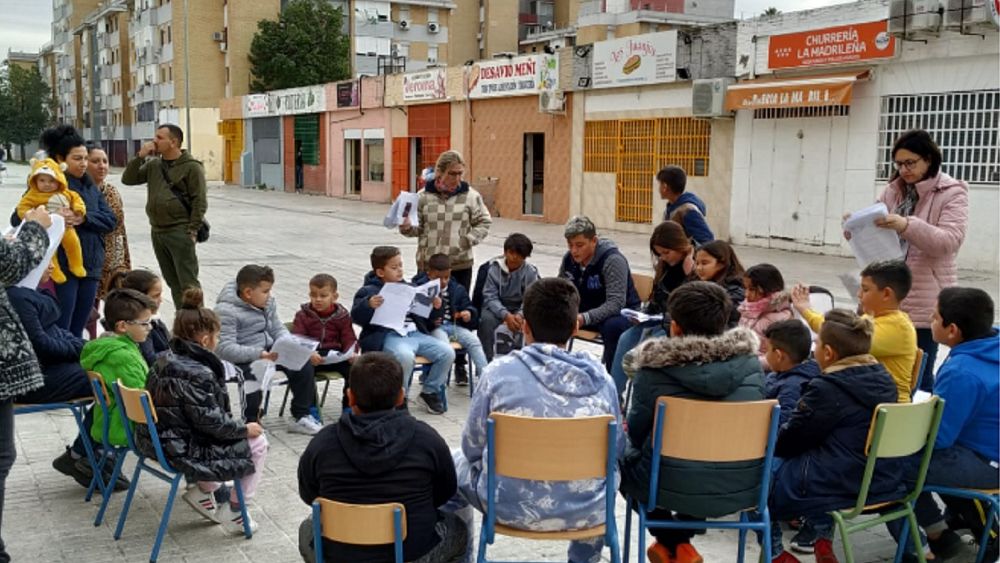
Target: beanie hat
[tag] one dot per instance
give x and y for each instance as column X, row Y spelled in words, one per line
column 47, row 167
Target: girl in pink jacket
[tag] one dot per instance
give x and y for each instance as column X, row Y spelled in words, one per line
column 766, row 303
column 930, row 211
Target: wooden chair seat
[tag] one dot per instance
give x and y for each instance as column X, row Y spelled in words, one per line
column 421, row 361
column 588, row 335
column 557, row 535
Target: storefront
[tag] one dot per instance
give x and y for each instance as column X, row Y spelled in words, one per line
column 428, row 128
column 356, row 132
column 815, row 142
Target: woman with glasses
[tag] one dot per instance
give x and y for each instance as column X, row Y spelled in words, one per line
column 930, row 211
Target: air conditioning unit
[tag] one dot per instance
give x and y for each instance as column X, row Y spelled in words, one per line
column 404, row 25
column 552, row 102
column 433, row 27
column 915, row 19
column 968, row 16
column 708, row 96
column 431, row 61
column 218, row 36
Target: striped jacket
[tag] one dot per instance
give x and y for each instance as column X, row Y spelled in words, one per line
column 449, row 224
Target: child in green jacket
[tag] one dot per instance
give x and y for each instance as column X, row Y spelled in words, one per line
column 116, row 355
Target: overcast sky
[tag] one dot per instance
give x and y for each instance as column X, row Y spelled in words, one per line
column 25, row 25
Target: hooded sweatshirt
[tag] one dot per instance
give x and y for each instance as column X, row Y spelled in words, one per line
column 705, row 368
column 541, row 380
column 378, row 457
column 503, row 290
column 693, row 210
column 605, row 283
column 968, row 383
column 164, row 210
column 116, row 358
column 246, row 330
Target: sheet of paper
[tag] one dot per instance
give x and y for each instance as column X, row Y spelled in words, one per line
column 55, row 237
column 640, row 316
column 262, row 373
column 868, row 242
column 334, row 357
column 423, row 299
column 389, row 221
column 397, row 298
column 405, row 207
column 294, row 351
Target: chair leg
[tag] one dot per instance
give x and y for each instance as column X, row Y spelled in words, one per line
column 267, row 401
column 914, row 534
column 284, row 401
column 244, row 513
column 128, row 498
column 642, row 533
column 766, row 546
column 984, row 541
column 119, row 457
column 165, row 519
column 322, row 401
column 627, row 540
column 742, row 543
column 88, row 448
column 481, row 558
column 97, row 482
column 845, row 540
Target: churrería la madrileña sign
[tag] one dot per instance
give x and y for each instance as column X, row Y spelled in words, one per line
column 632, row 61
column 307, row 99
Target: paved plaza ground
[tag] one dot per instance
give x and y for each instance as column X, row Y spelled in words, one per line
column 46, row 519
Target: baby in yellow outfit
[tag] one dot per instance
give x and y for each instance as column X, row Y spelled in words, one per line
column 47, row 186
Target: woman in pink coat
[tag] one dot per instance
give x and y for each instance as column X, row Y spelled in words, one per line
column 930, row 211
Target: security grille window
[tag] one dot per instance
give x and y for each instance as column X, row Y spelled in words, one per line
column 307, row 131
column 965, row 125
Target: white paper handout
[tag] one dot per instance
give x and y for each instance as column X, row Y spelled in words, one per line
column 294, row 351
column 335, row 357
column 397, row 298
column 55, row 232
column 262, row 372
column 868, row 242
column 423, row 299
column 639, row 316
column 405, row 207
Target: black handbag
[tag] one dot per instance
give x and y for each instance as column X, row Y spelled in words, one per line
column 204, row 230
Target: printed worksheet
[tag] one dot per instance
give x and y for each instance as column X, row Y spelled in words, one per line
column 423, row 299
column 871, row 243
column 397, row 298
column 294, row 351
column 335, row 357
column 405, row 207
column 55, row 237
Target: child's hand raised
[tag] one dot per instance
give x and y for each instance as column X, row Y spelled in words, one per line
column 254, row 430
column 265, row 355
column 800, row 298
column 464, row 316
column 315, row 359
column 375, row 301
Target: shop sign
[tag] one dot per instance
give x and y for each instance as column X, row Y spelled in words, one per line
column 424, row 85
column 308, row 99
column 813, row 91
column 347, row 94
column 517, row 76
column 643, row 59
column 831, row 45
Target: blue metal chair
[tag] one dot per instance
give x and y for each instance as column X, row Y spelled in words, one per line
column 713, row 432
column 551, row 449
column 77, row 407
column 114, row 453
column 136, row 405
column 358, row 524
column 989, row 498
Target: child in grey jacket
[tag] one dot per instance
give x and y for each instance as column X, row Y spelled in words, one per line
column 507, row 278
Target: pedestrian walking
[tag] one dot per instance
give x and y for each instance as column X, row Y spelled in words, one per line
column 176, row 202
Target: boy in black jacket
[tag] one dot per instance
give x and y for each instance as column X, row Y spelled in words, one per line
column 378, row 453
column 387, row 267
column 457, row 318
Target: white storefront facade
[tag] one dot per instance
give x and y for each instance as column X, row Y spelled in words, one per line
column 822, row 94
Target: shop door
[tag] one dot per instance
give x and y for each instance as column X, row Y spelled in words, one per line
column 352, row 166
column 790, row 176
column 400, row 166
column 533, row 183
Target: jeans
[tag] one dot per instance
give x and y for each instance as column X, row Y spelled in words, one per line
column 64, row 382
column 258, row 453
column 626, row 342
column 957, row 467
column 8, row 453
column 925, row 341
column 469, row 341
column 302, row 384
column 611, row 330
column 76, row 298
column 406, row 348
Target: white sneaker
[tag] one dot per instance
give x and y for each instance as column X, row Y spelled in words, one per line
column 202, row 503
column 232, row 520
column 305, row 425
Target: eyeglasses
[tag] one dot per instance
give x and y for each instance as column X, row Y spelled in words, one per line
column 143, row 324
column 907, row 164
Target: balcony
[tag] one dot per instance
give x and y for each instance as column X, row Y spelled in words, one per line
column 164, row 13
column 167, row 53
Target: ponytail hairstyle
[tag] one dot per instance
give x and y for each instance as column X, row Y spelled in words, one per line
column 193, row 319
column 846, row 333
column 139, row 280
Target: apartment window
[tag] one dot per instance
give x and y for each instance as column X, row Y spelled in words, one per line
column 375, row 159
column 432, row 15
column 163, row 37
column 404, row 13
column 965, row 126
column 170, row 32
column 307, row 132
column 432, row 53
column 170, row 73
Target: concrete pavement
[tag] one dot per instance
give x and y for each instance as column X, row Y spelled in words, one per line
column 299, row 236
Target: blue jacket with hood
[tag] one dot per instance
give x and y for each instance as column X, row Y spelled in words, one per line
column 695, row 224
column 968, row 383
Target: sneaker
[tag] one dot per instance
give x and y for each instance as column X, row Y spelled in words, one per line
column 785, row 557
column 461, row 376
column 686, row 553
column 305, row 425
column 823, row 548
column 66, row 465
column 658, row 553
column 432, row 402
column 804, row 541
column 947, row 545
column 232, row 520
column 83, row 466
column 202, row 503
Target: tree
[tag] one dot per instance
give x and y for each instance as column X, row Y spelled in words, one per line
column 25, row 105
column 305, row 46
column 772, row 11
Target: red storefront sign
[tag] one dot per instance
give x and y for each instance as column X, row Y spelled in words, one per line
column 831, row 45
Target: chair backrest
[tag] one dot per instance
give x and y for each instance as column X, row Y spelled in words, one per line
column 131, row 403
column 915, row 373
column 820, row 299
column 551, row 449
column 360, row 524
column 99, row 387
column 715, row 431
column 643, row 286
column 900, row 429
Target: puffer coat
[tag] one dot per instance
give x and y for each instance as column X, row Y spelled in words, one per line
column 935, row 233
column 200, row 436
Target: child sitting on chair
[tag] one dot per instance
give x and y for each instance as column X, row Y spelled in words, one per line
column 457, row 318
column 328, row 322
column 200, row 436
column 47, row 186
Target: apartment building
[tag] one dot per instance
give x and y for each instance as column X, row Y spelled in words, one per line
column 388, row 37
column 67, row 15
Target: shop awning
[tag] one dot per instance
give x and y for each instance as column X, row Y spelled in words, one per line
column 803, row 91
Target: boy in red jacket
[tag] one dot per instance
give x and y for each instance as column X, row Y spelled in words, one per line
column 328, row 322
